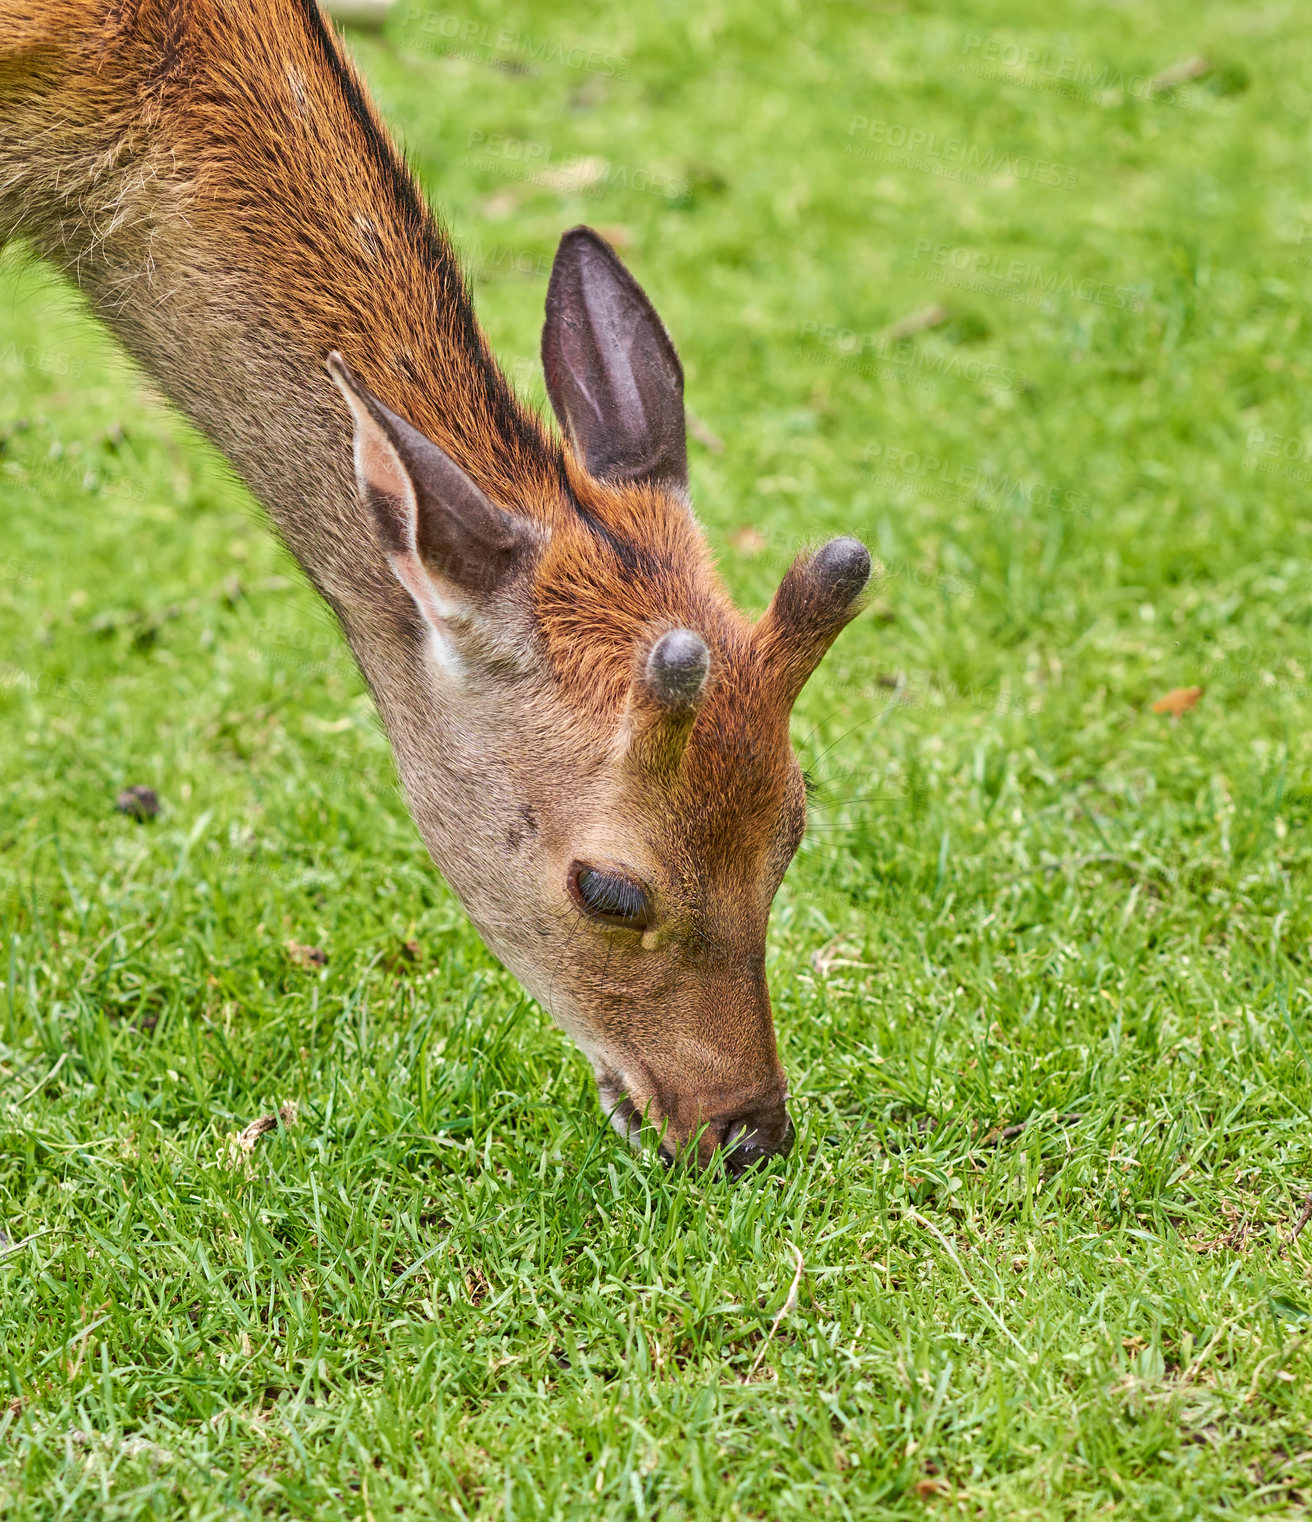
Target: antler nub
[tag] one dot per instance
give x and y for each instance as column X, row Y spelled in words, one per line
column 676, row 670
column 666, row 696
column 839, row 572
column 818, row 595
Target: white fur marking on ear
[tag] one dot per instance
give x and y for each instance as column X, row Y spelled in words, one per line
column 378, row 467
column 414, row 577
column 379, row 472
column 445, row 656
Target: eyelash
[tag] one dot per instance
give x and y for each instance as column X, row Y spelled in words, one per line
column 611, row 899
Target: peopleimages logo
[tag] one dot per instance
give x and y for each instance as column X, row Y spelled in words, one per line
column 32, row 358
column 1279, row 454
column 979, row 269
column 858, row 350
column 950, row 157
column 1067, row 74
column 451, row 34
column 41, row 684
column 582, row 174
column 960, row 482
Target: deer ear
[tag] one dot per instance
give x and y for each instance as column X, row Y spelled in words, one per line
column 448, row 544
column 615, row 382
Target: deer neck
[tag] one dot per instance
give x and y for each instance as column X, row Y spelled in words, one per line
column 233, row 224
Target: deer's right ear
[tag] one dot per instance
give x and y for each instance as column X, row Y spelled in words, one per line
column 614, row 380
column 451, row 548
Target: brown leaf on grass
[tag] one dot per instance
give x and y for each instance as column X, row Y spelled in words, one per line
column 1242, row 1227
column 286, row 1113
column 930, row 1487
column 306, row 956
column 1193, row 67
column 747, row 540
column 917, row 322
column 244, row 1141
column 501, row 203
column 840, row 952
column 996, row 1135
column 138, row 802
column 476, row 1285
column 129, row 1447
column 408, row 954
column 1179, row 700
column 239, row 1145
column 705, row 435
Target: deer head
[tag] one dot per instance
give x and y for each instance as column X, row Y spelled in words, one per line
column 593, row 741
column 617, row 797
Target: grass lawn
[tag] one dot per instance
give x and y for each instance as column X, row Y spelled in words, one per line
column 974, row 282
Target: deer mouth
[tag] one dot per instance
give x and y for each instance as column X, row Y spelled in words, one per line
column 742, row 1145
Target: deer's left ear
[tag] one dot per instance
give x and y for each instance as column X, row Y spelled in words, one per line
column 613, row 377
column 451, row 547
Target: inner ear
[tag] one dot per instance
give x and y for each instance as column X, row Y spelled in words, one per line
column 614, row 380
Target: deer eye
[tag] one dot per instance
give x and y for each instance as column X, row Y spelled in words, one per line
column 612, row 899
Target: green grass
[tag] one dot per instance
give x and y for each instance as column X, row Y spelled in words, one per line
column 448, row 1289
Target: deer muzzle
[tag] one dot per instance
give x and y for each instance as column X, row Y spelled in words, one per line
column 737, row 1136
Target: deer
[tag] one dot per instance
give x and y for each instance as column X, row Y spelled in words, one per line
column 592, row 740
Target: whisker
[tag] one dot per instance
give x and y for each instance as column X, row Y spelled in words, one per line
column 816, row 760
column 816, row 728
column 569, row 941
column 892, row 794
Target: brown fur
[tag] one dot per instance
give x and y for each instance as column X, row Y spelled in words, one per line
column 214, row 178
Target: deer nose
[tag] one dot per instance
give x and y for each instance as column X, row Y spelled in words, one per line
column 753, row 1139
